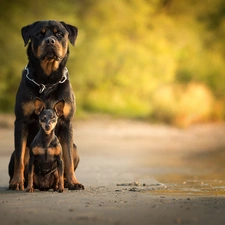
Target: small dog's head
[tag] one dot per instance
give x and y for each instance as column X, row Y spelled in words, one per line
column 49, row 42
column 48, row 117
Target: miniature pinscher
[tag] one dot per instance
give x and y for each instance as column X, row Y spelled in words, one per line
column 46, row 166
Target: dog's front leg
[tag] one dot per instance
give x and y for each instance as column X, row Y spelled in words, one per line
column 66, row 139
column 20, row 133
column 30, row 186
column 60, row 174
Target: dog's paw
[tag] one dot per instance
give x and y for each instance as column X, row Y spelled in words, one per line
column 76, row 186
column 16, row 184
column 30, row 190
column 60, row 190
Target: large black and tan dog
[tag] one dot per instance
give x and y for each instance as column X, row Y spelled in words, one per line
column 45, row 77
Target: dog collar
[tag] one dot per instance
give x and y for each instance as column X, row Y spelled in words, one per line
column 43, row 87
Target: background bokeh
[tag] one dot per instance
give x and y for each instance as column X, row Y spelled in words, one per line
column 157, row 60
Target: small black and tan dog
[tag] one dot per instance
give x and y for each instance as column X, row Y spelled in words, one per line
column 47, row 78
column 45, row 158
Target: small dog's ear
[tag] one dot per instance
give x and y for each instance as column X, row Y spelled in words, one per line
column 73, row 32
column 38, row 106
column 26, row 32
column 59, row 106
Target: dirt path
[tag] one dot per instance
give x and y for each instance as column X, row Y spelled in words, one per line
column 134, row 173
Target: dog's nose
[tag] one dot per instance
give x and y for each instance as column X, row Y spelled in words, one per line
column 50, row 41
column 47, row 126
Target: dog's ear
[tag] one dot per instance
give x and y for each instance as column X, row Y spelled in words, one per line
column 39, row 105
column 59, row 106
column 26, row 32
column 73, row 32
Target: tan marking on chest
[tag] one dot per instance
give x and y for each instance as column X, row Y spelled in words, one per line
column 66, row 109
column 28, row 108
column 49, row 66
column 38, row 151
column 50, row 151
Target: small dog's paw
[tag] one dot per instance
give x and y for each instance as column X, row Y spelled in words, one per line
column 60, row 190
column 30, row 190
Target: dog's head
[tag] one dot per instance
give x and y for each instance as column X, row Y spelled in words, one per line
column 49, row 42
column 48, row 117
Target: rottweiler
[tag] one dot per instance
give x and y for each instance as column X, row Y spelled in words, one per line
column 47, row 78
column 45, row 156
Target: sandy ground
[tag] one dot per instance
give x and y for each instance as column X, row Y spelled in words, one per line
column 133, row 172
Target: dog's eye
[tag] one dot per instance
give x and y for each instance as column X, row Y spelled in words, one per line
column 43, row 118
column 59, row 34
column 40, row 34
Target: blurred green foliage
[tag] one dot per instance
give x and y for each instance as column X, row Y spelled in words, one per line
column 160, row 60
